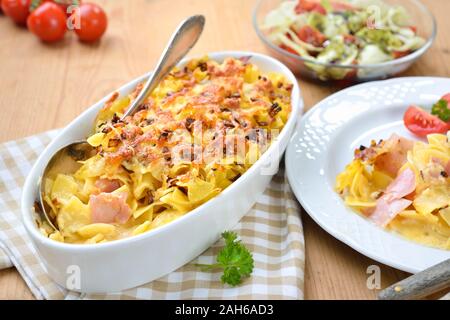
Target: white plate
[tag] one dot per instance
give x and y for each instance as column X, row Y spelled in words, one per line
column 323, row 144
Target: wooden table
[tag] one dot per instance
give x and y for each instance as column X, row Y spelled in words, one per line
column 46, row 86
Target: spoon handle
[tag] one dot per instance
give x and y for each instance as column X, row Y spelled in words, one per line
column 179, row 45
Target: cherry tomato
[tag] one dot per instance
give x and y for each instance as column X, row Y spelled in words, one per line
column 48, row 22
column 92, row 22
column 18, row 10
column 309, row 6
column 421, row 123
column 312, row 36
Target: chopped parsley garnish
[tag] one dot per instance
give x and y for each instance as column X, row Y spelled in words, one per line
column 234, row 258
column 441, row 110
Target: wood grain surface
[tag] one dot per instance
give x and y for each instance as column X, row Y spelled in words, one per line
column 46, row 86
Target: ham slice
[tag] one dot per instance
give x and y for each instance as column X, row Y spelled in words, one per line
column 404, row 184
column 107, row 185
column 388, row 155
column 392, row 202
column 109, row 208
column 394, row 154
column 386, row 210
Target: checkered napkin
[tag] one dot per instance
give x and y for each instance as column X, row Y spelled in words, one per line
column 272, row 231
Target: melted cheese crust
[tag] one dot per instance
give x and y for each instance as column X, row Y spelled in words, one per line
column 199, row 131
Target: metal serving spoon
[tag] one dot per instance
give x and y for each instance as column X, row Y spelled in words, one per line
column 65, row 160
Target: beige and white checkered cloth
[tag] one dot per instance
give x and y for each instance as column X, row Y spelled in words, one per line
column 272, row 230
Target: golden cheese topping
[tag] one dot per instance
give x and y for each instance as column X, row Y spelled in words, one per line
column 199, row 131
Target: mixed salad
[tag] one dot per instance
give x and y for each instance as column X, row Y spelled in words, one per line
column 355, row 32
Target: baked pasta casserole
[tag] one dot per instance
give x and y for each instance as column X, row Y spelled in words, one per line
column 198, row 131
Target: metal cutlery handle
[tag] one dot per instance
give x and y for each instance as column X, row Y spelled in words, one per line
column 419, row 285
column 179, row 45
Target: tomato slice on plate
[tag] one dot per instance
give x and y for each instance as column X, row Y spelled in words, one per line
column 421, row 123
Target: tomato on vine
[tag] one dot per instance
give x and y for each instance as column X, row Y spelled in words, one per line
column 48, row 22
column 89, row 21
column 17, row 10
column 50, row 19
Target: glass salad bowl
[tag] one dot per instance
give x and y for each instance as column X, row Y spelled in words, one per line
column 367, row 61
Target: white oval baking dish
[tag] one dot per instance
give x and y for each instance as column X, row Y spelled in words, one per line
column 126, row 263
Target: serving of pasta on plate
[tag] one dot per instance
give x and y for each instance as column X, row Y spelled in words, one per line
column 403, row 186
column 199, row 131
